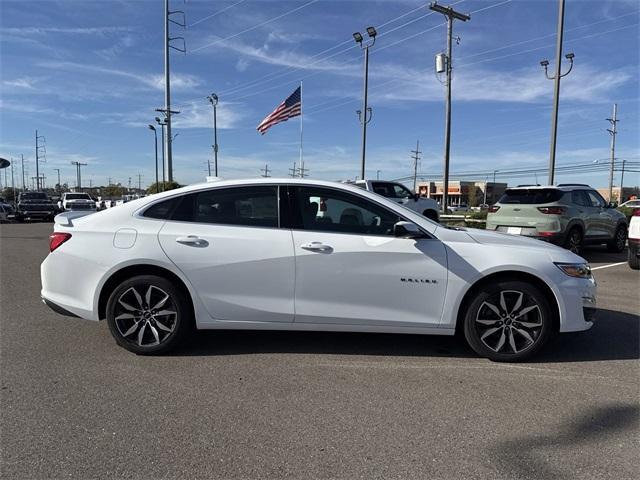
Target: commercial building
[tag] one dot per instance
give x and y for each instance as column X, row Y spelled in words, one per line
column 627, row 193
column 467, row 192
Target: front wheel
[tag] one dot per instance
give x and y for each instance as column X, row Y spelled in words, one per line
column 508, row 321
column 619, row 240
column 148, row 315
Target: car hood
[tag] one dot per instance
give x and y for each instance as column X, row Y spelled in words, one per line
column 530, row 245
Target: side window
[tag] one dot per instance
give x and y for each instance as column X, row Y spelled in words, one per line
column 328, row 210
column 252, row 206
column 384, row 189
column 400, row 191
column 162, row 210
column 596, row 199
column 579, row 198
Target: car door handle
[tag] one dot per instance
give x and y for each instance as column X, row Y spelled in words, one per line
column 317, row 247
column 192, row 240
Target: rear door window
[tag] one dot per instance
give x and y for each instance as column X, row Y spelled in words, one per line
column 578, row 197
column 531, row 196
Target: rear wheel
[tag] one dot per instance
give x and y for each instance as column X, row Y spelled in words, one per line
column 508, row 321
column 573, row 241
column 619, row 240
column 147, row 315
column 633, row 259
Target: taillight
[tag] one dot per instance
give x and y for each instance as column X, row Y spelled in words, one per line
column 493, row 209
column 552, row 210
column 57, row 238
column 636, row 213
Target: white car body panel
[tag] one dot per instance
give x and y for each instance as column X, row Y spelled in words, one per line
column 261, row 278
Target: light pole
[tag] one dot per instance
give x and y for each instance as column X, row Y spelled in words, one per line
column 162, row 124
column 364, row 115
column 213, row 98
column 59, row 186
column 155, row 134
column 556, row 92
column 378, row 174
column 451, row 15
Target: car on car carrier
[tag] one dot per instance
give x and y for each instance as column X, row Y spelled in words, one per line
column 570, row 215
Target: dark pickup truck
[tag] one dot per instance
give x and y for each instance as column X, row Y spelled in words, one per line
column 35, row 206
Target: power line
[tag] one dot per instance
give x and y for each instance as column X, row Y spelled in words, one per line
column 216, row 13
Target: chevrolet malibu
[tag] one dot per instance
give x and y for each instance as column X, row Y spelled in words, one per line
column 258, row 255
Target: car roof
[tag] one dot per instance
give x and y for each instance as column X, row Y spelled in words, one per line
column 565, row 187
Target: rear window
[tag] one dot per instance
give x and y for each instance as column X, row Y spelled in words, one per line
column 77, row 196
column 528, row 196
column 33, row 196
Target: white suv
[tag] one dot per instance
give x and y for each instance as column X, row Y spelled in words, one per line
column 401, row 194
column 76, row 201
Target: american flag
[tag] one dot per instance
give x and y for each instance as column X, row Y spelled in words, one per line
column 291, row 107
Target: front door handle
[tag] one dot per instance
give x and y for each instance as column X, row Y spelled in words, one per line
column 317, row 247
column 192, row 240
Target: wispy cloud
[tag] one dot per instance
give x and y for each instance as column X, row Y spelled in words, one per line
column 29, row 31
column 21, row 83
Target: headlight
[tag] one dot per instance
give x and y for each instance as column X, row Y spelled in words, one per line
column 578, row 270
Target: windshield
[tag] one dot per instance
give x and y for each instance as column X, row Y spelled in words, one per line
column 532, row 196
column 33, row 196
column 77, row 196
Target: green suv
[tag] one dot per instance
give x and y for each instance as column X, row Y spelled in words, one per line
column 570, row 215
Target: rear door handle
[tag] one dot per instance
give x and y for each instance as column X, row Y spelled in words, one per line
column 317, row 247
column 192, row 240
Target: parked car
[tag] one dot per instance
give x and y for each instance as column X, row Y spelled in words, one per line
column 76, row 201
column 634, row 240
column 255, row 254
column 462, row 207
column 6, row 213
column 570, row 215
column 401, row 194
column 635, row 203
column 35, row 206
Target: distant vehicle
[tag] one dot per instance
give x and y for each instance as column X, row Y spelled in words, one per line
column 401, row 194
column 76, row 201
column 630, row 203
column 35, row 206
column 6, row 212
column 634, row 240
column 256, row 254
column 463, row 207
column 570, row 215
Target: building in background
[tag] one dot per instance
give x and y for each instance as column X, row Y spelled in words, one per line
column 461, row 191
column 627, row 193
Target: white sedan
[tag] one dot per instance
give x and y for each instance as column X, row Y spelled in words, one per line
column 256, row 254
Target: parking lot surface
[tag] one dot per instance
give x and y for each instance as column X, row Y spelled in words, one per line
column 311, row 405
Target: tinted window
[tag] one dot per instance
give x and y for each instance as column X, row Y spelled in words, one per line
column 77, row 196
column 531, row 196
column 162, row 210
column 33, row 196
column 249, row 206
column 391, row 190
column 578, row 198
column 328, row 210
column 595, row 199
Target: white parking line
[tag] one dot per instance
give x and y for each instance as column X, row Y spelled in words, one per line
column 607, row 266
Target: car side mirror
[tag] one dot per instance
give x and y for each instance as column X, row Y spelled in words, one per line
column 612, row 205
column 416, row 196
column 407, row 230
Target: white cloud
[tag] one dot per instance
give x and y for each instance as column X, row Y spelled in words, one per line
column 242, row 64
column 200, row 115
column 29, row 31
column 21, row 83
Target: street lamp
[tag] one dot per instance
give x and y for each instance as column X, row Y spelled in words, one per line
column 364, row 115
column 556, row 93
column 162, row 123
column 213, row 99
column 155, row 134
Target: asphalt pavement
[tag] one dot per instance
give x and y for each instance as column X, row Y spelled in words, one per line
column 273, row 405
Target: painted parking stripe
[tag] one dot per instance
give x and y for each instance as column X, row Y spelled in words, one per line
column 607, row 266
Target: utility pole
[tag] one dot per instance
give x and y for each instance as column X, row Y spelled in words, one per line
column 78, row 174
column 613, row 131
column 303, row 172
column 167, row 141
column 40, row 149
column 58, row 170
column 129, row 189
column 294, row 171
column 24, row 187
column 451, row 15
column 416, row 159
column 13, row 185
column 364, row 115
column 167, row 89
column 378, row 174
column 139, row 183
column 162, row 125
column 213, row 99
column 556, row 91
column 621, row 199
column 265, row 171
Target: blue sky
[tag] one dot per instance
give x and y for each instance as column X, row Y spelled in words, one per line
column 89, row 74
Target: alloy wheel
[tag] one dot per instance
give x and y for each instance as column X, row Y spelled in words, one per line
column 145, row 315
column 575, row 241
column 621, row 239
column 509, row 322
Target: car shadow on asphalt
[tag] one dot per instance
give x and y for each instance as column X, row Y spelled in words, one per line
column 538, row 455
column 614, row 337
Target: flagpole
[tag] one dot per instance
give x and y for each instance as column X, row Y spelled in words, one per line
column 301, row 155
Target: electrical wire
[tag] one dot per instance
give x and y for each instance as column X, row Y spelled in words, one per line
column 216, row 13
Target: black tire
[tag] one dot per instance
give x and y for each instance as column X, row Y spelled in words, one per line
column 136, row 319
column 619, row 240
column 493, row 334
column 573, row 241
column 632, row 259
column 431, row 215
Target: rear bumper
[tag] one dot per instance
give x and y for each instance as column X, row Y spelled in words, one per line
column 58, row 309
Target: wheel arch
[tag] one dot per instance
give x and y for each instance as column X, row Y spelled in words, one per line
column 129, row 271
column 431, row 214
column 506, row 276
